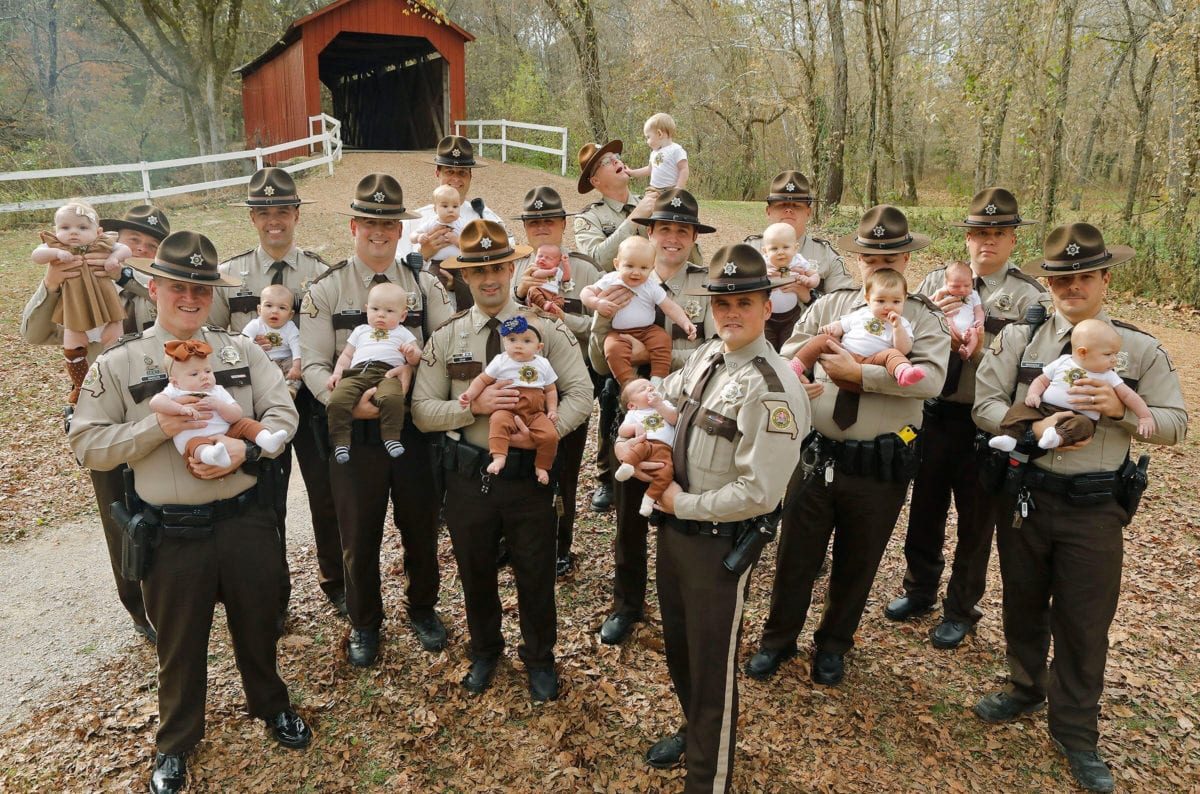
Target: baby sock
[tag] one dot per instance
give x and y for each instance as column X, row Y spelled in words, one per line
column 215, row 455
column 908, row 374
column 1050, row 439
column 1003, row 443
column 647, row 506
column 271, row 442
column 394, row 448
column 341, row 454
column 623, row 472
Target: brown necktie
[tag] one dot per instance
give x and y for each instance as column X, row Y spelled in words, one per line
column 277, row 272
column 845, row 408
column 380, row 278
column 679, row 452
column 660, row 319
column 493, row 340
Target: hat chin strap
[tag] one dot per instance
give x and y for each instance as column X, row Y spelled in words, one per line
column 885, row 245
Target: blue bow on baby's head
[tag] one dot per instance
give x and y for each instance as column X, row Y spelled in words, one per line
column 514, row 325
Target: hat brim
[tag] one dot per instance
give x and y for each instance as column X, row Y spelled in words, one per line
column 966, row 224
column 849, row 244
column 155, row 269
column 518, row 252
column 735, row 289
column 283, row 202
column 1118, row 255
column 117, row 224
column 686, row 220
column 402, row 215
column 585, row 174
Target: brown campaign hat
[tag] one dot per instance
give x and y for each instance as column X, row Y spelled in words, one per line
column 271, row 187
column 142, row 218
column 542, row 202
column 590, row 155
column 790, row 186
column 883, row 230
column 676, row 205
column 993, row 206
column 737, row 268
column 189, row 257
column 456, row 151
column 379, row 196
column 484, row 243
column 1076, row 248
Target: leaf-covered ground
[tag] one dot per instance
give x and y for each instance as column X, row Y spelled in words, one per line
column 901, row 721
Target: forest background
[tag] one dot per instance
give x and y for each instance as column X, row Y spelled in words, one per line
column 1087, row 110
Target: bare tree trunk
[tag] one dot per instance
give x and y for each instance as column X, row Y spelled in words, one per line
column 579, row 21
column 1061, row 89
column 1142, row 100
column 872, row 187
column 1089, row 145
column 841, row 96
column 992, row 175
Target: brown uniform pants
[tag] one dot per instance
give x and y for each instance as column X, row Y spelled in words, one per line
column 315, row 470
column 888, row 359
column 1062, row 578
column 389, row 397
column 531, row 407
column 655, row 452
column 110, row 487
column 237, row 564
column 618, row 352
column 1073, row 429
column 780, row 327
column 543, row 298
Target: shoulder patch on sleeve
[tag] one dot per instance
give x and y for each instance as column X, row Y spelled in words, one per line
column 780, row 418
column 428, row 357
column 307, row 307
column 93, row 384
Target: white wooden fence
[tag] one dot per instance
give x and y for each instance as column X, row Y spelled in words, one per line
column 504, row 141
column 328, row 142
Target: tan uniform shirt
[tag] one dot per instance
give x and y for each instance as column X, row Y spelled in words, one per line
column 745, row 440
column 824, row 257
column 113, row 422
column 457, row 353
column 233, row 308
column 885, row 406
column 687, row 277
column 603, row 226
column 1142, row 361
column 583, row 273
column 1005, row 295
column 334, row 305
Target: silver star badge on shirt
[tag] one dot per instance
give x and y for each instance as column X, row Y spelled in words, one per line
column 379, row 197
column 485, row 243
column 732, row 392
column 269, row 190
column 730, row 268
column 229, row 355
column 1072, row 249
column 879, row 231
column 990, row 209
column 196, row 260
column 676, row 202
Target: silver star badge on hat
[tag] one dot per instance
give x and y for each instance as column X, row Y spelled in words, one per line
column 486, row 242
column 537, row 205
column 676, row 202
column 790, row 187
column 269, row 190
column 990, row 209
column 879, row 231
column 456, row 152
column 1072, row 249
column 379, row 197
column 152, row 220
column 730, row 268
column 196, row 260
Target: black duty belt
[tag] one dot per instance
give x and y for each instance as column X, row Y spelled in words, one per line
column 1102, row 482
column 718, row 529
column 470, row 460
column 194, row 521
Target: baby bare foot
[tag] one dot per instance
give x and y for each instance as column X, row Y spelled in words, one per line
column 543, row 476
column 497, row 464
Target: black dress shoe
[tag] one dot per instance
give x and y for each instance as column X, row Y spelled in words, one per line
column 902, row 608
column 338, row 600
column 828, row 669
column 290, row 730
column 616, row 628
column 429, row 630
column 564, row 565
column 766, row 662
column 479, row 677
column 170, row 773
column 543, row 685
column 147, row 632
column 1088, row 768
column 1001, row 707
column 949, row 634
column 602, row 498
column 363, row 648
column 667, row 753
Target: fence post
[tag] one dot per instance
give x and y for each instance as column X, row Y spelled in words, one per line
column 481, row 140
column 258, row 159
column 504, row 140
column 145, row 180
column 564, row 153
column 326, row 145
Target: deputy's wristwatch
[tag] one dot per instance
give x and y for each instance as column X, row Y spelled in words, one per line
column 126, row 276
column 253, row 451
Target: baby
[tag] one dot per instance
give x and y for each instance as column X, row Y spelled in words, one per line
column 537, row 406
column 553, row 264
column 668, row 166
column 275, row 332
column 781, row 249
column 1095, row 346
column 650, row 426
column 88, row 302
column 446, row 204
column 966, row 324
column 187, row 366
column 635, row 263
column 379, row 354
column 875, row 334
